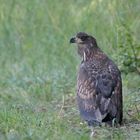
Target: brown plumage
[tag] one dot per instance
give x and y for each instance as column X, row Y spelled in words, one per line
column 99, row 85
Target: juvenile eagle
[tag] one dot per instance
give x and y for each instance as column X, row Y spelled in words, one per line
column 99, row 85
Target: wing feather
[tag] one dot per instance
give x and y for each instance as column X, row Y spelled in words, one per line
column 99, row 96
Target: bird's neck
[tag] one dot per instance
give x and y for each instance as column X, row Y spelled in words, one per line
column 92, row 53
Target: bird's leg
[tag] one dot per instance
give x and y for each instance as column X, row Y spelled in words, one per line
column 92, row 131
column 113, row 122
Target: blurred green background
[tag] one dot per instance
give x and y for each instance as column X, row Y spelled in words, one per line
column 38, row 66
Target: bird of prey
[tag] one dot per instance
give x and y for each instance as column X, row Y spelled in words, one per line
column 99, row 84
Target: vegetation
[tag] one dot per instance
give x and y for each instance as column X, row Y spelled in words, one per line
column 38, row 66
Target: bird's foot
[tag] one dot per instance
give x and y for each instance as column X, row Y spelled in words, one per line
column 113, row 122
column 92, row 134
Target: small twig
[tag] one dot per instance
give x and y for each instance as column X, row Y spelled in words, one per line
column 129, row 114
column 135, row 58
column 137, row 110
column 63, row 104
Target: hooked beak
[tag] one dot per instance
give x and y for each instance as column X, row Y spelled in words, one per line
column 73, row 40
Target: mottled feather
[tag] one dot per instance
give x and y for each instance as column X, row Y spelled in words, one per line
column 99, row 87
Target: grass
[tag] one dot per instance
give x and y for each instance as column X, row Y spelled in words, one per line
column 38, row 66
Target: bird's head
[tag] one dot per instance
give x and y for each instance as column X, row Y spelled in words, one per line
column 86, row 43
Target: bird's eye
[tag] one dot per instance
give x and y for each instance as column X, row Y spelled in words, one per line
column 83, row 38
